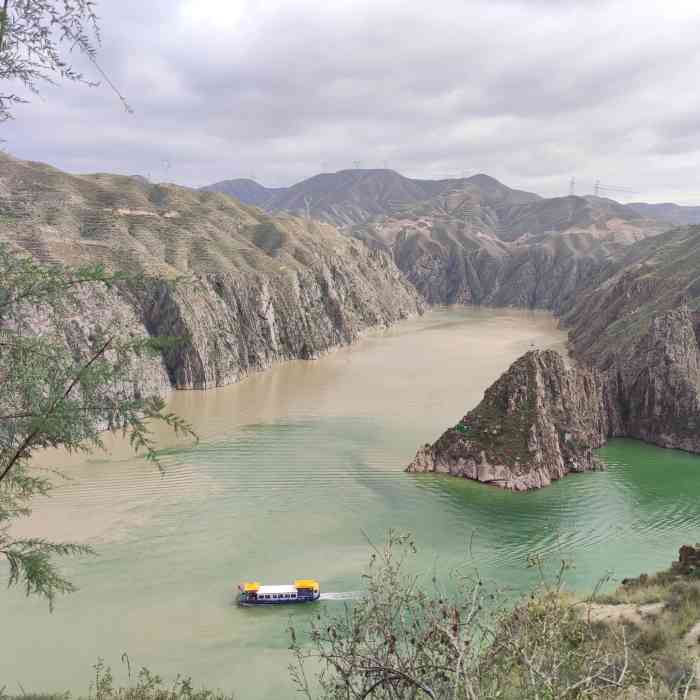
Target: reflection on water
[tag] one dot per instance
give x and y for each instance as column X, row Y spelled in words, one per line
column 295, row 467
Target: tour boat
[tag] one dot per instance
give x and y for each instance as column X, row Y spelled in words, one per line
column 301, row 591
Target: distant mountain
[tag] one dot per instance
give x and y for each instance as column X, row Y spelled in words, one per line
column 673, row 213
column 350, row 197
column 244, row 189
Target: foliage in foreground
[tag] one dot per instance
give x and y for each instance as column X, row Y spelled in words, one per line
column 36, row 39
column 146, row 686
column 57, row 394
column 403, row 640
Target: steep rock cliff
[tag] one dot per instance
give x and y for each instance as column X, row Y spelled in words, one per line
column 639, row 324
column 230, row 325
column 655, row 391
column 92, row 313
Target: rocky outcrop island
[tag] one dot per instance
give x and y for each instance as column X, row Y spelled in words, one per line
column 538, row 422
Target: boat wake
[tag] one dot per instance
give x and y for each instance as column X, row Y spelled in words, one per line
column 346, row 595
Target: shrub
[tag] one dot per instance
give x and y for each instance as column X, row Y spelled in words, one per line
column 411, row 639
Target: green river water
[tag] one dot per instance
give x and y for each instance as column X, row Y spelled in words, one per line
column 294, row 465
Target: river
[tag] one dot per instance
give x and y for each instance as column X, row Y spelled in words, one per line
column 295, row 467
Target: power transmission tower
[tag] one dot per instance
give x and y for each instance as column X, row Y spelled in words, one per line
column 572, row 187
column 307, row 206
column 596, row 189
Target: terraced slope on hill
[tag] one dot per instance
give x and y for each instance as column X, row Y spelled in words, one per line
column 253, row 289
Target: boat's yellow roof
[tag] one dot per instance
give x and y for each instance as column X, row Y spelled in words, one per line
column 306, row 583
column 254, row 586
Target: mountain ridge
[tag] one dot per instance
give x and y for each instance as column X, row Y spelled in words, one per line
column 353, row 196
column 288, row 198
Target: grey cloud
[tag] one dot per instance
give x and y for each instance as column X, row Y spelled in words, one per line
column 530, row 91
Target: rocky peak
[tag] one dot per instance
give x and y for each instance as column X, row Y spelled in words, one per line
column 535, row 424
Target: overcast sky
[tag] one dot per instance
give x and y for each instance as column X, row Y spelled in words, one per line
column 532, row 92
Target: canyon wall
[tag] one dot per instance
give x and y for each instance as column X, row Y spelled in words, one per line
column 634, row 371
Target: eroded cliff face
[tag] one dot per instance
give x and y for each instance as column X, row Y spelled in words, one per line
column 539, row 421
column 224, row 326
column 654, row 394
column 230, row 325
column 543, row 274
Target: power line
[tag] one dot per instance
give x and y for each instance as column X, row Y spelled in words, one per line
column 610, row 188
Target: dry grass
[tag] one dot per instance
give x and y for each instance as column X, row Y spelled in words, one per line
column 667, row 607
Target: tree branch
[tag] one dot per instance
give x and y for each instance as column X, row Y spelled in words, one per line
column 32, row 435
column 3, row 21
